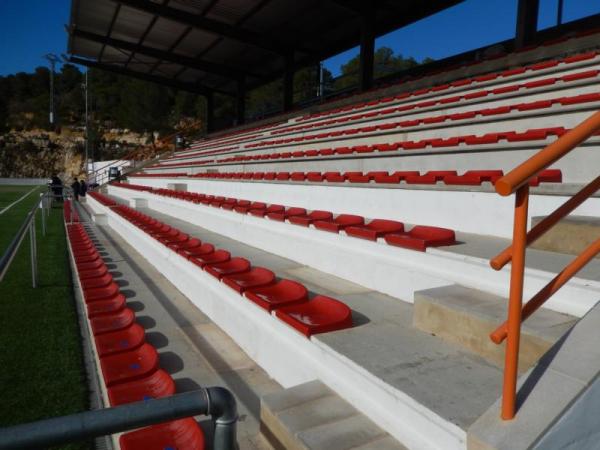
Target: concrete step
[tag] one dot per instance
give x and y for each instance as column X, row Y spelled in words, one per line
column 466, row 316
column 571, row 235
column 311, row 416
column 557, row 402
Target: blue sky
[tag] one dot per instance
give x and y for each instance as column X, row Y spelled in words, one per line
column 31, row 28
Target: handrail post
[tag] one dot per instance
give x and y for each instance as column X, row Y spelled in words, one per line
column 33, row 252
column 511, row 365
column 42, row 198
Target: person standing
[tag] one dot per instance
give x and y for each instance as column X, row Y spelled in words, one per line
column 57, row 188
column 83, row 187
column 76, row 189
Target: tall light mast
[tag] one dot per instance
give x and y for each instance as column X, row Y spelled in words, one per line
column 52, row 59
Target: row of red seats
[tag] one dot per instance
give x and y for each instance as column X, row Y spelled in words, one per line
column 419, row 237
column 449, row 177
column 170, row 175
column 69, row 214
column 467, row 115
column 380, row 114
column 129, row 365
column 458, row 83
column 287, row 298
column 535, row 134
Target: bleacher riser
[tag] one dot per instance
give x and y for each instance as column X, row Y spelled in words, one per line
column 524, row 96
column 391, row 270
column 462, row 158
column 554, row 116
column 498, row 65
column 289, row 357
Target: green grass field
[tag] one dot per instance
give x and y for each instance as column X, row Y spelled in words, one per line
column 41, row 362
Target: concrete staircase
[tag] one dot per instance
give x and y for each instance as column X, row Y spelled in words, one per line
column 571, row 235
column 312, row 416
column 466, row 317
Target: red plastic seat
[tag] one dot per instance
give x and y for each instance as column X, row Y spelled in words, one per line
column 204, row 249
column 103, row 293
column 156, row 385
column 92, row 265
column 129, row 366
column 97, row 282
column 255, row 277
column 217, row 256
column 112, row 322
column 334, row 177
column 307, row 219
column 396, row 177
column 283, row 293
column 92, row 273
column 339, row 223
column 104, row 307
column 430, row 177
column 266, row 211
column 233, row 266
column 547, row 176
column 183, row 434
column 319, row 315
column 286, row 214
column 120, row 341
column 79, row 259
column 375, row 229
column 474, row 177
column 420, row 237
column 175, row 240
column 187, row 246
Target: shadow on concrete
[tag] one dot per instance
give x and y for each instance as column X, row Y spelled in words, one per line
column 158, row 340
column 122, row 283
column 136, row 306
column 539, row 369
column 110, row 266
column 171, row 362
column 146, row 322
column 359, row 319
column 116, row 273
column 128, row 293
column 186, row 385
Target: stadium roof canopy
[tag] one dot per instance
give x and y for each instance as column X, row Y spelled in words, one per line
column 229, row 46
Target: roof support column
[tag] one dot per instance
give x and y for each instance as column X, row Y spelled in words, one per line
column 288, row 82
column 367, row 50
column 527, row 16
column 240, row 108
column 210, row 112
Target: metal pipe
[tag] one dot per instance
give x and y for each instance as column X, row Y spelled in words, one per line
column 216, row 401
column 33, row 252
column 42, row 205
column 499, row 334
column 499, row 261
column 511, row 364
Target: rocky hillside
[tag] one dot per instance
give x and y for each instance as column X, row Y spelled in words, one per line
column 40, row 154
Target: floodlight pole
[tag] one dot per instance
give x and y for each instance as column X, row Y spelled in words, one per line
column 52, row 59
column 87, row 133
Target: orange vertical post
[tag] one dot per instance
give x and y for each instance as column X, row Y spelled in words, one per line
column 511, row 364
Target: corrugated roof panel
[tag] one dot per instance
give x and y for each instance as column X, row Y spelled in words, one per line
column 164, row 33
column 195, row 42
column 130, row 24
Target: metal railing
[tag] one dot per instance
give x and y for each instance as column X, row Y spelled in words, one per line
column 216, row 402
column 28, row 227
column 517, row 181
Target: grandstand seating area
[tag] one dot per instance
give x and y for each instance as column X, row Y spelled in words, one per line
column 129, row 365
column 366, row 185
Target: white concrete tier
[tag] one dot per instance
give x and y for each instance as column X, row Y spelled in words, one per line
column 394, row 271
column 288, row 356
column 478, row 212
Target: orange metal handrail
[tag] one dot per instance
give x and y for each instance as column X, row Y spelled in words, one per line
column 518, row 181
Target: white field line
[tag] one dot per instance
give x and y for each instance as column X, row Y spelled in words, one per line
column 17, row 201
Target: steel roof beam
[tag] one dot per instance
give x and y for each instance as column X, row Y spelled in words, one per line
column 206, row 24
column 190, row 87
column 192, row 63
